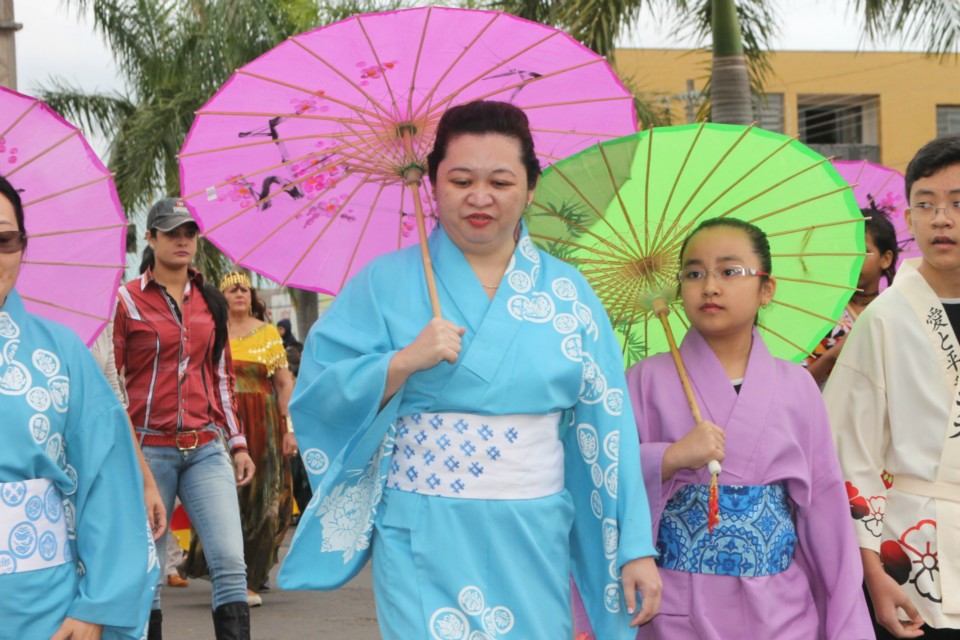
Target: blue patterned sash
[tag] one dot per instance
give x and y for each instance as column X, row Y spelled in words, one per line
column 756, row 535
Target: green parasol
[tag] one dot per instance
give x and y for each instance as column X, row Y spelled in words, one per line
column 620, row 210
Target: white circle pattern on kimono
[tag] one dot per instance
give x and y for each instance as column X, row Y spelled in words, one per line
column 572, row 347
column 23, row 540
column 612, row 570
column 594, row 382
column 479, row 635
column 47, row 545
column 596, row 504
column 565, row 323
column 564, row 289
column 613, row 402
column 589, row 442
column 15, row 378
column 497, row 621
column 52, row 505
column 611, row 445
column 449, row 624
column 471, row 600
column 69, row 514
column 59, row 387
column 315, row 461
column 46, row 362
column 8, row 328
column 38, row 398
column 611, row 537
column 519, row 281
column 610, row 479
column 56, row 450
column 596, row 474
column 611, row 598
column 528, row 250
column 39, row 428
column 70, row 489
column 537, row 307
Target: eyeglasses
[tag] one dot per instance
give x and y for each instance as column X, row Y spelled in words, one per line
column 12, row 241
column 927, row 210
column 729, row 273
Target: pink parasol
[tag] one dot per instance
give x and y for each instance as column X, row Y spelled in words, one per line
column 76, row 229
column 307, row 163
column 881, row 187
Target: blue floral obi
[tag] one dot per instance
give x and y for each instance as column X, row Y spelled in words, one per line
column 755, row 537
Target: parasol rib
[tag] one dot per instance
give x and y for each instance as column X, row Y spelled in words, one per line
column 376, row 57
column 63, row 308
column 802, row 310
column 77, row 187
column 61, row 232
column 802, row 202
column 378, row 112
column 676, row 220
column 614, row 259
column 23, row 115
column 616, row 190
column 592, row 134
column 44, row 152
column 323, row 95
column 584, row 230
column 317, row 238
column 289, row 116
column 812, row 227
column 363, row 231
column 297, row 214
column 541, row 78
column 676, row 181
column 818, row 282
column 646, row 195
column 825, row 254
column 786, row 144
column 567, row 103
column 247, row 145
column 783, row 337
column 625, row 249
column 428, row 99
column 416, row 66
column 74, row 264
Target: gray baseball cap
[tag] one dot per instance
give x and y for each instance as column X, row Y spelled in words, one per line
column 168, row 214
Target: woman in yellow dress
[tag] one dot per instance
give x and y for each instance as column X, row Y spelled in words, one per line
column 263, row 386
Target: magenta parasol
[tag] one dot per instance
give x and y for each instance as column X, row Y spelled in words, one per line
column 305, row 165
column 75, row 225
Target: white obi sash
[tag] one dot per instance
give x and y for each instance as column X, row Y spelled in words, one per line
column 33, row 526
column 462, row 455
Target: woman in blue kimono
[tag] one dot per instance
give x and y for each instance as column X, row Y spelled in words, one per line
column 76, row 555
column 477, row 455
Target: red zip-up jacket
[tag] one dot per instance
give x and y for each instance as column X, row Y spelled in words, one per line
column 171, row 379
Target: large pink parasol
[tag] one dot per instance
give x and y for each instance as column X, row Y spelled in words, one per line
column 76, row 229
column 307, row 163
column 883, row 188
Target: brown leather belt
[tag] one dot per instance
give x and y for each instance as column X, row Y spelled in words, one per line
column 184, row 440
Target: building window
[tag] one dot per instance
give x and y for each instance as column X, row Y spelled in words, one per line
column 843, row 126
column 768, row 111
column 948, row 120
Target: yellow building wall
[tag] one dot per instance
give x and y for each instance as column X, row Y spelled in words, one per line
column 909, row 86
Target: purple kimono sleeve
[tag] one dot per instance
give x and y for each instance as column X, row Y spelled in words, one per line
column 828, row 551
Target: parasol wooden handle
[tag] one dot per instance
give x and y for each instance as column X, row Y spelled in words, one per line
column 413, row 177
column 661, row 310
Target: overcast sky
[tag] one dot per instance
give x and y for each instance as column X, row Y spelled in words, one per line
column 56, row 41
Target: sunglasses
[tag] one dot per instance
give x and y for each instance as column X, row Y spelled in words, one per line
column 12, row 241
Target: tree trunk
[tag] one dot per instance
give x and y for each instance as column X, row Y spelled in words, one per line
column 308, row 310
column 730, row 100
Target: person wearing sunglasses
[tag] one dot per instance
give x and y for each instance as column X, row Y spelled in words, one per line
column 68, row 478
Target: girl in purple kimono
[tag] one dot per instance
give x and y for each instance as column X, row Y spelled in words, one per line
column 783, row 562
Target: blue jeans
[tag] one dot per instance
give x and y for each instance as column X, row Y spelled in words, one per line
column 204, row 480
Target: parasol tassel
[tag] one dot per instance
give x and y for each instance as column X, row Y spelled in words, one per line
column 659, row 303
column 713, row 504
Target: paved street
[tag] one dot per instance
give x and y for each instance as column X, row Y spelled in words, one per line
column 345, row 614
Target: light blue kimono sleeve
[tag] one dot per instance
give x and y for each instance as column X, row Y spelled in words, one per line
column 343, row 374
column 612, row 523
column 113, row 541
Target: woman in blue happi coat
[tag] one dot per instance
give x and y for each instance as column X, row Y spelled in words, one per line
column 76, row 555
column 485, row 456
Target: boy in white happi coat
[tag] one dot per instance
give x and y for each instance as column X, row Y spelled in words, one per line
column 894, row 405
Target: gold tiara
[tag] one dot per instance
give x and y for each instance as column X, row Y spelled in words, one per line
column 234, row 279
